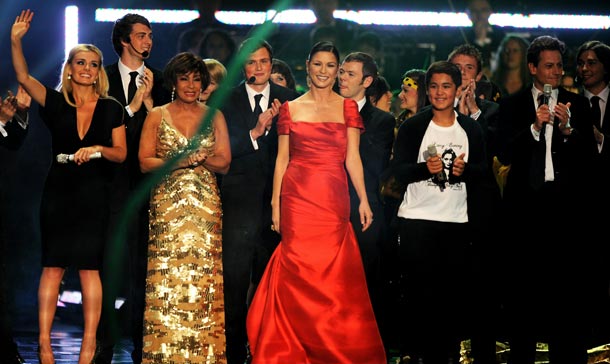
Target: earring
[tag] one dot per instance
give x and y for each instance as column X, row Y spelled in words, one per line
column 173, row 93
column 69, row 77
column 199, row 96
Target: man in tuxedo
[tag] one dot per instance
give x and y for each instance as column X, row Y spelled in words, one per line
column 246, row 190
column 138, row 87
column 547, row 138
column 13, row 129
column 357, row 73
column 593, row 73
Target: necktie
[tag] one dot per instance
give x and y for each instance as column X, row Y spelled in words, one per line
column 538, row 156
column 596, row 112
column 257, row 108
column 131, row 89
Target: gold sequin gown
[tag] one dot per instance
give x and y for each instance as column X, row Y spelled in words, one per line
column 184, row 319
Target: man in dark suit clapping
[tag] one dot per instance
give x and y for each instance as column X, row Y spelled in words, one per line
column 138, row 87
column 547, row 138
column 13, row 128
column 251, row 115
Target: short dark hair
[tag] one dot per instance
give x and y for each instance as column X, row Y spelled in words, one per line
column 323, row 46
column 447, row 68
column 377, row 89
column 122, row 29
column 260, row 43
column 184, row 63
column 468, row 50
column 543, row 43
column 601, row 50
column 281, row 67
column 369, row 66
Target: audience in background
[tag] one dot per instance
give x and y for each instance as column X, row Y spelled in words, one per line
column 217, row 44
column 510, row 72
column 483, row 35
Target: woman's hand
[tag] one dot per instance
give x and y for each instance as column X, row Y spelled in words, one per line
column 83, row 155
column 22, row 24
column 275, row 217
column 366, row 215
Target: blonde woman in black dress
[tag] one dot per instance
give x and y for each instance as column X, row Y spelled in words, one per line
column 84, row 122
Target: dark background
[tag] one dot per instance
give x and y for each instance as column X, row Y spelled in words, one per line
column 23, row 172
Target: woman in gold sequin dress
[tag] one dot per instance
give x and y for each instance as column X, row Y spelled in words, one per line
column 184, row 316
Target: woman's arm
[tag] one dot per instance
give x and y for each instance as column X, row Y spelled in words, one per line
column 353, row 164
column 116, row 153
column 148, row 142
column 221, row 160
column 29, row 83
column 281, row 163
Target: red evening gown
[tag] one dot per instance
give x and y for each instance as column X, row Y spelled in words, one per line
column 312, row 304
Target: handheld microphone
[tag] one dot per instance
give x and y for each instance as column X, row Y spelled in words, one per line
column 144, row 54
column 251, row 80
column 547, row 90
column 441, row 177
column 65, row 158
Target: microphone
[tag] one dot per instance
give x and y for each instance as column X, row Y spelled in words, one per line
column 441, row 177
column 144, row 54
column 65, row 158
column 251, row 80
column 547, row 90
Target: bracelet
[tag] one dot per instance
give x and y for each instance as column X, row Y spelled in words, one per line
column 129, row 112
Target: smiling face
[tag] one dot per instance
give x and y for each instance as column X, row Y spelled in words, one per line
column 591, row 71
column 549, row 69
column 322, row 69
column 188, row 87
column 441, row 91
column 85, row 68
column 258, row 66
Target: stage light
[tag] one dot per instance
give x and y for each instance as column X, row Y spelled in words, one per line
column 374, row 17
column 70, row 28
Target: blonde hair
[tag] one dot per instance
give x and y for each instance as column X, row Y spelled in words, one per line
column 65, row 84
column 216, row 69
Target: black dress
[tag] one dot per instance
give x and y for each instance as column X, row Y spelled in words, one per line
column 74, row 208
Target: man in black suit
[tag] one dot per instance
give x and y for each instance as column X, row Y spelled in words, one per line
column 548, row 142
column 13, row 128
column 132, row 41
column 357, row 73
column 593, row 73
column 246, row 190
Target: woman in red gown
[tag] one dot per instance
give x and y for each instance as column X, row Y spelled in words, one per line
column 312, row 304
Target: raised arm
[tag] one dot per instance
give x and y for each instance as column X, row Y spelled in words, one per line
column 33, row 87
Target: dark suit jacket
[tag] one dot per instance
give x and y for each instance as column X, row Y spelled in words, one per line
column 15, row 136
column 246, row 188
column 572, row 156
column 134, row 124
column 375, row 150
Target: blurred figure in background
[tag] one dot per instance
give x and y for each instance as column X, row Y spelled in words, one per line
column 484, row 36
column 281, row 74
column 217, row 73
column 412, row 95
column 217, row 44
column 380, row 94
column 510, row 72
